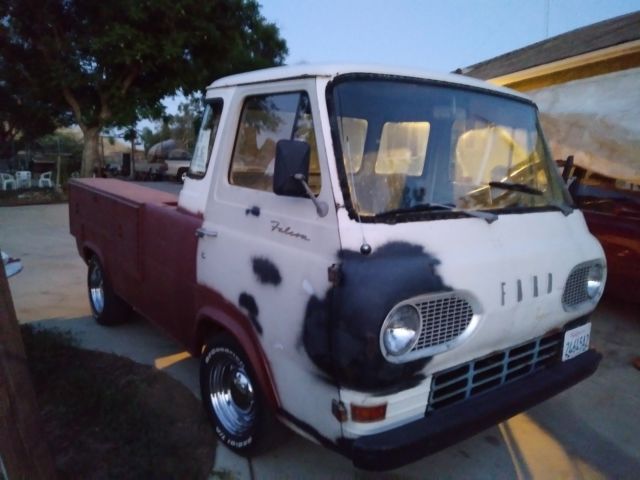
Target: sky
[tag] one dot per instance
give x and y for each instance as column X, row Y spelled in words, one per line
column 436, row 35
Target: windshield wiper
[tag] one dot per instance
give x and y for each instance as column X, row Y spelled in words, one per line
column 521, row 187
column 516, row 187
column 425, row 207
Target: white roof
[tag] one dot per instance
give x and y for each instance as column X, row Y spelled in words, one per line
column 333, row 70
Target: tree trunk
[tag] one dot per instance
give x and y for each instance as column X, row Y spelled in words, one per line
column 132, row 176
column 90, row 152
column 23, row 450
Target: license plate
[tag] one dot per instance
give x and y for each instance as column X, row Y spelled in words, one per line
column 576, row 341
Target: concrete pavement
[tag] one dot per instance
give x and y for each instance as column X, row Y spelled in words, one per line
column 590, row 431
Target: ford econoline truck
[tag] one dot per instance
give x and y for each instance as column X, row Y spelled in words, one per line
column 385, row 260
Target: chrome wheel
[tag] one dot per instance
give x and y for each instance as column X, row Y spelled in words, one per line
column 232, row 394
column 96, row 288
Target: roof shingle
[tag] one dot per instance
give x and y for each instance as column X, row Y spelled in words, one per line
column 597, row 36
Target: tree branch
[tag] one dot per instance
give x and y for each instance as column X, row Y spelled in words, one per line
column 75, row 106
column 128, row 80
column 105, row 110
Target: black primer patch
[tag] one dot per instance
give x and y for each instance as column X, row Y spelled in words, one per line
column 342, row 331
column 266, row 271
column 247, row 302
column 255, row 211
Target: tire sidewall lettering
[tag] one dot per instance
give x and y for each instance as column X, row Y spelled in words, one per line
column 223, row 350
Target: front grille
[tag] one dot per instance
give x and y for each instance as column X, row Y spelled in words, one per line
column 444, row 318
column 465, row 381
column 575, row 290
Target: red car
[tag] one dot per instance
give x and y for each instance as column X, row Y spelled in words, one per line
column 612, row 212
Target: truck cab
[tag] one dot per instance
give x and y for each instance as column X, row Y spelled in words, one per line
column 384, row 259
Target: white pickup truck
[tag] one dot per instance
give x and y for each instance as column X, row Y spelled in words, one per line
column 385, row 260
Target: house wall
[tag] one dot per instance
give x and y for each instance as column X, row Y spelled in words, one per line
column 597, row 120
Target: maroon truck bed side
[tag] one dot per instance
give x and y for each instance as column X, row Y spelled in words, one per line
column 147, row 247
column 145, row 244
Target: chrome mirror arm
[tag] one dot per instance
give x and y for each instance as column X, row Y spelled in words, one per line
column 321, row 207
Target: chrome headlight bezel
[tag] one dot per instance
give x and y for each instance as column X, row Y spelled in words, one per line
column 437, row 310
column 584, row 285
column 405, row 318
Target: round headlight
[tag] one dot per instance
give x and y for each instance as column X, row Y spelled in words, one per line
column 401, row 330
column 594, row 280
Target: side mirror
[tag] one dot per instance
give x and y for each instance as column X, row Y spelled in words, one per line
column 291, row 172
column 292, row 160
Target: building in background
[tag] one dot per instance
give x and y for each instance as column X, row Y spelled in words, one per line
column 587, row 85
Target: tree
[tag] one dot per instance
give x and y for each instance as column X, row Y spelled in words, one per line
column 24, row 114
column 182, row 127
column 162, row 132
column 110, row 63
column 187, row 122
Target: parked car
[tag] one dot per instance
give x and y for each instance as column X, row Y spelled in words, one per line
column 12, row 266
column 177, row 168
column 173, row 157
column 611, row 208
column 360, row 252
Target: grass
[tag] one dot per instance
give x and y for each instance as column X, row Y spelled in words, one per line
column 108, row 417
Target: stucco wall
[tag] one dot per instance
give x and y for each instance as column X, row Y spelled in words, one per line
column 597, row 120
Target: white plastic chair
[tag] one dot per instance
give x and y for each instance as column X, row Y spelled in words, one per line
column 7, row 181
column 45, row 180
column 23, row 179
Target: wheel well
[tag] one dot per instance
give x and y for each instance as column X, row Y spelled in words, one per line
column 87, row 254
column 206, row 328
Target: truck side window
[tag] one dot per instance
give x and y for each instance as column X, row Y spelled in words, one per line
column 206, row 138
column 265, row 120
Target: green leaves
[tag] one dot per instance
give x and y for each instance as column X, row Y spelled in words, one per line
column 111, row 62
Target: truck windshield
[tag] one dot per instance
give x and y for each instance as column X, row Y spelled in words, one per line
column 409, row 147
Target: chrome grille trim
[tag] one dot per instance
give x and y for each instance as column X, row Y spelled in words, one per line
column 443, row 319
column 447, row 319
column 461, row 382
column 575, row 289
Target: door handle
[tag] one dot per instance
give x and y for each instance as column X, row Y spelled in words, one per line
column 203, row 232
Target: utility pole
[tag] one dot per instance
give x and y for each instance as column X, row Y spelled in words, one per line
column 23, row 450
column 59, row 164
column 546, row 18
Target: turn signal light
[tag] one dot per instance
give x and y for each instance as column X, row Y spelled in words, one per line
column 368, row 414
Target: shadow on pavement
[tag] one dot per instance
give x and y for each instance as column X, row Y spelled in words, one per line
column 137, row 340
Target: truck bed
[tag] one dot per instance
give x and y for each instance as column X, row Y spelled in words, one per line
column 108, row 214
column 125, row 190
column 146, row 244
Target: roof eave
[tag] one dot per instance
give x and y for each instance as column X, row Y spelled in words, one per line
column 564, row 64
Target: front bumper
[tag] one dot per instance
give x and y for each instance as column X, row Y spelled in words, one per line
column 442, row 428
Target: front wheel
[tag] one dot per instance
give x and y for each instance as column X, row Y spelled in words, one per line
column 231, row 396
column 107, row 307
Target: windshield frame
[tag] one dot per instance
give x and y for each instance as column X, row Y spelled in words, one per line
column 556, row 184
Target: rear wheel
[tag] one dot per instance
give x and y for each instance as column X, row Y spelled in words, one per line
column 181, row 175
column 107, row 307
column 232, row 397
